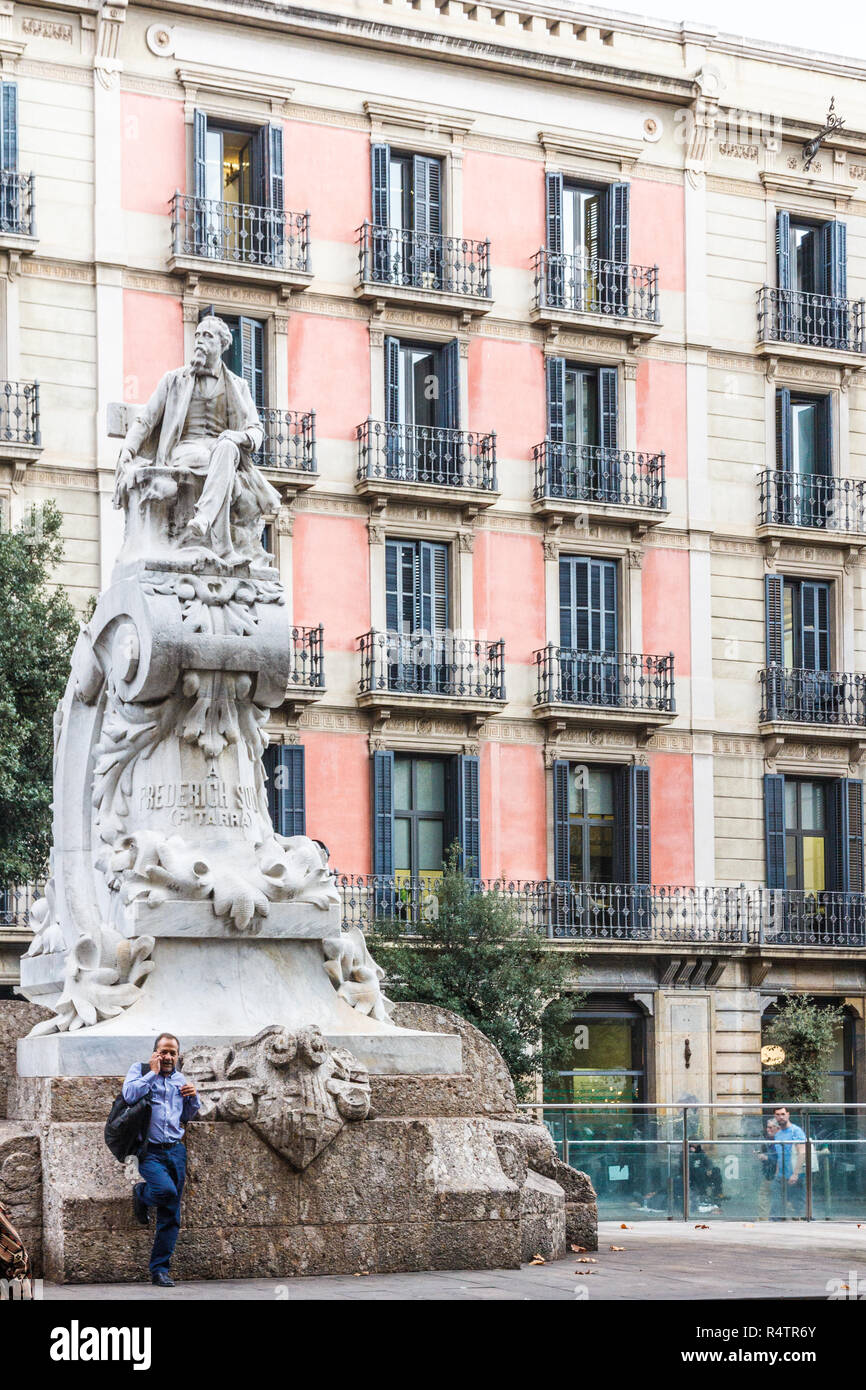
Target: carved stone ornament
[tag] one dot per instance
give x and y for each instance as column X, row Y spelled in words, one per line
column 293, row 1089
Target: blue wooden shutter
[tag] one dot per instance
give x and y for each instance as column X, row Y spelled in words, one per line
column 607, row 407
column 392, row 380
column 199, row 154
column 784, row 449
column 553, row 188
column 9, row 126
column 449, row 394
column 427, row 194
column 252, row 358
column 774, row 829
column 566, row 601
column 783, row 250
column 773, row 619
column 276, row 179
column 381, row 171
column 854, row 830
column 469, row 814
column 383, row 813
column 638, row 783
column 824, row 461
column 617, row 223
column 432, row 598
column 399, row 555
column 815, row 625
column 561, row 867
column 555, row 369
column 834, row 257
column 284, row 766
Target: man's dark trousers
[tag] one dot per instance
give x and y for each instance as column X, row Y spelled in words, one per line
column 163, row 1169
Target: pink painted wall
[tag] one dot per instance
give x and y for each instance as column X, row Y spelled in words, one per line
column 506, row 393
column 328, row 173
column 151, row 126
column 661, row 413
column 152, row 341
column 337, row 768
column 666, row 607
column 331, row 577
column 509, row 592
column 657, row 230
column 503, row 199
column 329, row 372
column 513, row 812
column 672, row 820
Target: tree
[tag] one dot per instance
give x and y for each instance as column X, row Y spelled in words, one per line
column 38, row 628
column 806, row 1032
column 469, row 952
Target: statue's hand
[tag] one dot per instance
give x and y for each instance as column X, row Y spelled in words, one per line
column 238, row 437
column 124, row 458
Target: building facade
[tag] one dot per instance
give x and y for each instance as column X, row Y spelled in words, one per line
column 558, row 345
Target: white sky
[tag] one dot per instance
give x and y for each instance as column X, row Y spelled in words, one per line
column 835, row 27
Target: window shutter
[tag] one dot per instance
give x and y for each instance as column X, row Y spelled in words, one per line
column 9, row 125
column 433, row 596
column 834, row 257
column 854, row 800
column 637, row 808
column 381, row 168
column 617, row 223
column 272, row 168
column 774, row 828
column 469, row 814
column 199, row 156
column 553, row 186
column 393, row 605
column 449, row 394
column 392, row 380
column 252, row 358
column 784, row 451
column 427, row 194
column 783, row 250
column 561, row 867
column 284, row 766
column 607, row 406
column 773, row 619
column 383, row 813
column 607, row 603
column 566, row 601
column 815, row 625
column 825, row 437
column 555, row 369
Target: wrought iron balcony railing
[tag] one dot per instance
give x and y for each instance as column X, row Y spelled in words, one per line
column 240, row 233
column 792, row 695
column 613, row 680
column 17, row 205
column 813, row 500
column 437, row 663
column 590, row 285
column 423, row 261
column 290, row 440
column 590, row 473
column 426, row 454
column 19, row 413
column 308, row 664
column 811, row 320
column 717, row 916
column 16, row 900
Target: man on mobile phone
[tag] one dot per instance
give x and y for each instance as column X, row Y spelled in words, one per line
column 174, row 1103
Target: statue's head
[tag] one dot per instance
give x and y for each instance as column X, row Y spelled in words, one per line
column 212, row 338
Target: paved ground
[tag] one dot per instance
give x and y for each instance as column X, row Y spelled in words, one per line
column 659, row 1260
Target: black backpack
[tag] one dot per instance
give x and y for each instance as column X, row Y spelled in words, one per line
column 127, row 1125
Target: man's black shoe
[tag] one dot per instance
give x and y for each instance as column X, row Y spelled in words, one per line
column 138, row 1208
column 162, row 1279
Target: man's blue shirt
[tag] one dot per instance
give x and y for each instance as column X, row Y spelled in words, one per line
column 793, row 1134
column 170, row 1111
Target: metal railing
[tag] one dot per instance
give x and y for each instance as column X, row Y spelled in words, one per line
column 814, row 500
column 423, row 261
column 290, row 440
column 240, row 233
column 19, row 413
column 591, row 473
column 666, row 913
column 426, row 454
column 17, row 205
column 308, row 662
column 438, row 663
column 16, row 900
column 811, row 320
column 813, row 697
column 676, row 1162
column 610, row 680
column 591, row 285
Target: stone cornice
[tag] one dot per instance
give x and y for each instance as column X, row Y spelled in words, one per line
column 805, row 186
column 581, row 145
column 222, row 88
column 446, row 120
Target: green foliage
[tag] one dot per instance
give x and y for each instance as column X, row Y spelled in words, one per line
column 472, row 954
column 38, row 628
column 805, row 1030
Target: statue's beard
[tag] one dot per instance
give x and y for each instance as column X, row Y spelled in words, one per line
column 199, row 357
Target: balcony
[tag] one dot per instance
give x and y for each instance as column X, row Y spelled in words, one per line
column 307, row 676
column 431, row 673
column 590, row 293
column 20, row 438
column 288, row 454
column 819, row 705
column 240, row 242
column 617, row 915
column 618, row 689
column 452, row 467
column 599, row 484
column 820, row 509
column 800, row 325
column 17, row 211
column 420, row 268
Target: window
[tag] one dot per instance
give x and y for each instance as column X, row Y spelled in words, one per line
column 246, row 356
column 591, row 825
column 588, row 630
column 407, row 219
column 587, row 245
column 811, row 260
column 804, row 460
column 238, row 188
column 582, row 407
column 416, row 586
column 284, row 769
column 814, row 837
column 422, row 804
column 841, row 1085
column 607, row 1040
column 10, row 193
column 805, row 835
column 422, row 402
column 419, row 817
column 798, row 623
column 601, row 824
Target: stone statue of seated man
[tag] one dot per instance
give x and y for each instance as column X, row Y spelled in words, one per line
column 201, row 420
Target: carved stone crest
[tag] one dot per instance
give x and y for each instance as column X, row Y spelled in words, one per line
column 293, row 1089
